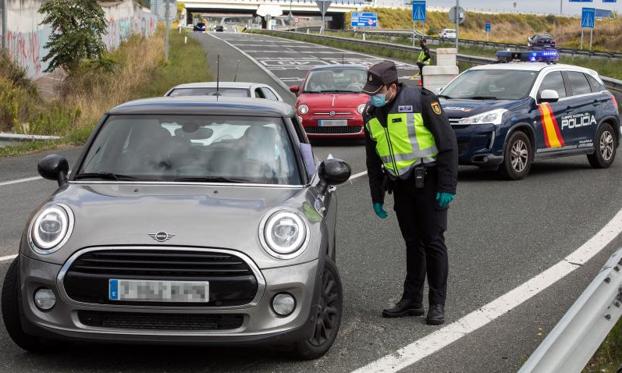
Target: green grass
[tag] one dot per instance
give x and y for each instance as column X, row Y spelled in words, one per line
column 608, row 358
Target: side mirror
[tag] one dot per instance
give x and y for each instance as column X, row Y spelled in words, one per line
column 294, row 89
column 54, row 167
column 549, row 95
column 333, row 172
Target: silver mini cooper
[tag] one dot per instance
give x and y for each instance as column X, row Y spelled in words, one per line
column 186, row 220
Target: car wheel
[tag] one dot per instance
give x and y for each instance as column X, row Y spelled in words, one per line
column 326, row 318
column 12, row 315
column 518, row 157
column 605, row 147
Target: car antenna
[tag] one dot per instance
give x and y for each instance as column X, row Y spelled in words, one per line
column 237, row 67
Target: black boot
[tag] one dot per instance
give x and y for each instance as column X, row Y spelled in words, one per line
column 436, row 314
column 404, row 307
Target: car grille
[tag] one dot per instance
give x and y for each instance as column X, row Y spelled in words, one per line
column 231, row 280
column 159, row 321
column 330, row 130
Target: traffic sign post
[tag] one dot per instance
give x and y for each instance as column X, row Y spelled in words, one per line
column 323, row 5
column 457, row 15
column 488, row 28
column 588, row 20
column 418, row 15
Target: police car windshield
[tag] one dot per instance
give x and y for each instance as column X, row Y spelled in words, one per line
column 491, row 85
column 192, row 148
column 343, row 80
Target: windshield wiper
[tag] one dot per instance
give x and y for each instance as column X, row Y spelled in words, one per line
column 104, row 176
column 480, row 98
column 214, row 179
column 445, row 96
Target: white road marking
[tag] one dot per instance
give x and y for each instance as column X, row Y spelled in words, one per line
column 356, row 176
column 18, row 181
column 7, row 258
column 426, row 346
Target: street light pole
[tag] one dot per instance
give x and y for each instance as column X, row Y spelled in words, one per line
column 167, row 23
column 561, row 7
column 457, row 16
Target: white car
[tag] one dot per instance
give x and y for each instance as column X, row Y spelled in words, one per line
column 447, row 33
column 229, row 89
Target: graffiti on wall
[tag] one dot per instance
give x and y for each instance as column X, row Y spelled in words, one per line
column 121, row 29
column 27, row 49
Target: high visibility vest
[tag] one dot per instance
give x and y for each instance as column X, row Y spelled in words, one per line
column 405, row 142
column 421, row 58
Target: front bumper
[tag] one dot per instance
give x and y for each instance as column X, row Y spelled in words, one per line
column 260, row 323
column 479, row 145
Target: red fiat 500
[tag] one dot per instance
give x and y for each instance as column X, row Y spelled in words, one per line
column 330, row 102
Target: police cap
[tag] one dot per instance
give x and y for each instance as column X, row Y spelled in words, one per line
column 379, row 75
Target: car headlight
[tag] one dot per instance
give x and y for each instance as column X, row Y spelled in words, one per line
column 51, row 228
column 489, row 117
column 303, row 109
column 283, row 234
column 361, row 108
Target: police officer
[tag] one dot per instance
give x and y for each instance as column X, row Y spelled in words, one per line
column 412, row 152
column 424, row 56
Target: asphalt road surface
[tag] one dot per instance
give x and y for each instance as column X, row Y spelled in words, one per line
column 501, row 234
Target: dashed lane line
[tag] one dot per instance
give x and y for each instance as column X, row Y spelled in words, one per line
column 19, row 181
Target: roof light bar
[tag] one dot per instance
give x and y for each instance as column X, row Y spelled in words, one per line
column 545, row 55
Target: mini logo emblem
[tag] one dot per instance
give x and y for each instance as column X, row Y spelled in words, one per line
column 332, row 113
column 370, row 78
column 161, row 236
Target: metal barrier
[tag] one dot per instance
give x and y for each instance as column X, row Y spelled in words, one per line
column 612, row 84
column 577, row 336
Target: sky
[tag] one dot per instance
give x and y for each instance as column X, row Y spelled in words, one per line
column 531, row 6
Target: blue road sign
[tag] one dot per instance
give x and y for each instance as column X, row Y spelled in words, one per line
column 610, row 1
column 603, row 13
column 364, row 20
column 580, row 1
column 488, row 26
column 419, row 11
column 588, row 17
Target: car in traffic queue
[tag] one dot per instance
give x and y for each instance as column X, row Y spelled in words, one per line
column 230, row 89
column 330, row 102
column 192, row 220
column 507, row 115
column 541, row 41
column 447, row 34
column 200, row 27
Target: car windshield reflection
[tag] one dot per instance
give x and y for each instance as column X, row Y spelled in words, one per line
column 344, row 80
column 491, row 85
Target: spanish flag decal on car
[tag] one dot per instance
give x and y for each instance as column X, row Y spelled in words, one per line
column 552, row 135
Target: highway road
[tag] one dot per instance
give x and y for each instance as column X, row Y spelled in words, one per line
column 501, row 234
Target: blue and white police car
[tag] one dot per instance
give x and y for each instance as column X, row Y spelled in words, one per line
column 506, row 115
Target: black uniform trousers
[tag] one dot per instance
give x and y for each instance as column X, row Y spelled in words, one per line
column 423, row 224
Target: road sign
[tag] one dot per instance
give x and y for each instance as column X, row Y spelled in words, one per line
column 452, row 14
column 488, row 26
column 323, row 5
column 419, row 11
column 588, row 17
column 610, row 1
column 603, row 13
column 364, row 20
column 580, row 1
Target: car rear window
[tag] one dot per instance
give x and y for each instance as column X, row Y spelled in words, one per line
column 228, row 92
column 578, row 83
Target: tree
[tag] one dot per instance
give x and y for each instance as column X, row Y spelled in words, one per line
column 77, row 28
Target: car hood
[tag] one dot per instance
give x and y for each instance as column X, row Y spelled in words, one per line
column 462, row 108
column 116, row 214
column 332, row 100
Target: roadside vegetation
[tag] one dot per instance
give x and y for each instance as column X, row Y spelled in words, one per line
column 135, row 70
column 603, row 66
column 608, row 358
column 508, row 27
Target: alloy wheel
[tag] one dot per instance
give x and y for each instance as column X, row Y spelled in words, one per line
column 327, row 312
column 519, row 156
column 606, row 145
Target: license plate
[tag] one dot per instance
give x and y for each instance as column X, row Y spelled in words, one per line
column 333, row 123
column 158, row 291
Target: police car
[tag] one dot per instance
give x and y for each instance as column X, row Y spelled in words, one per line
column 507, row 115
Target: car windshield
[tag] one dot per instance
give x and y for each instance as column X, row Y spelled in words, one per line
column 229, row 92
column 345, row 80
column 232, row 149
column 491, row 84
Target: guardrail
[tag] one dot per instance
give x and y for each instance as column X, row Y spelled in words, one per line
column 492, row 44
column 577, row 336
column 612, row 84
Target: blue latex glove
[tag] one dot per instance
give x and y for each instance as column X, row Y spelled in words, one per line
column 444, row 199
column 379, row 210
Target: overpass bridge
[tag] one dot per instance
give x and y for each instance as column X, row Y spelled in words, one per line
column 309, row 8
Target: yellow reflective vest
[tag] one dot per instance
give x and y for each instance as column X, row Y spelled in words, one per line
column 403, row 141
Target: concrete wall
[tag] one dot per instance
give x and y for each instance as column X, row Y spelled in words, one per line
column 26, row 37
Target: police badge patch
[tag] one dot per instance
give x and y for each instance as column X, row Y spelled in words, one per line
column 436, row 107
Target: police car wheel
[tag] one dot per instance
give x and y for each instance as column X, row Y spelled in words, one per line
column 605, row 147
column 518, row 157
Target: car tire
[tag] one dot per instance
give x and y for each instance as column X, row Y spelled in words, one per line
column 517, row 157
column 326, row 317
column 12, row 313
column 605, row 146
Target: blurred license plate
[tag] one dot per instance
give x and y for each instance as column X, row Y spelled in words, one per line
column 333, row 123
column 158, row 291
